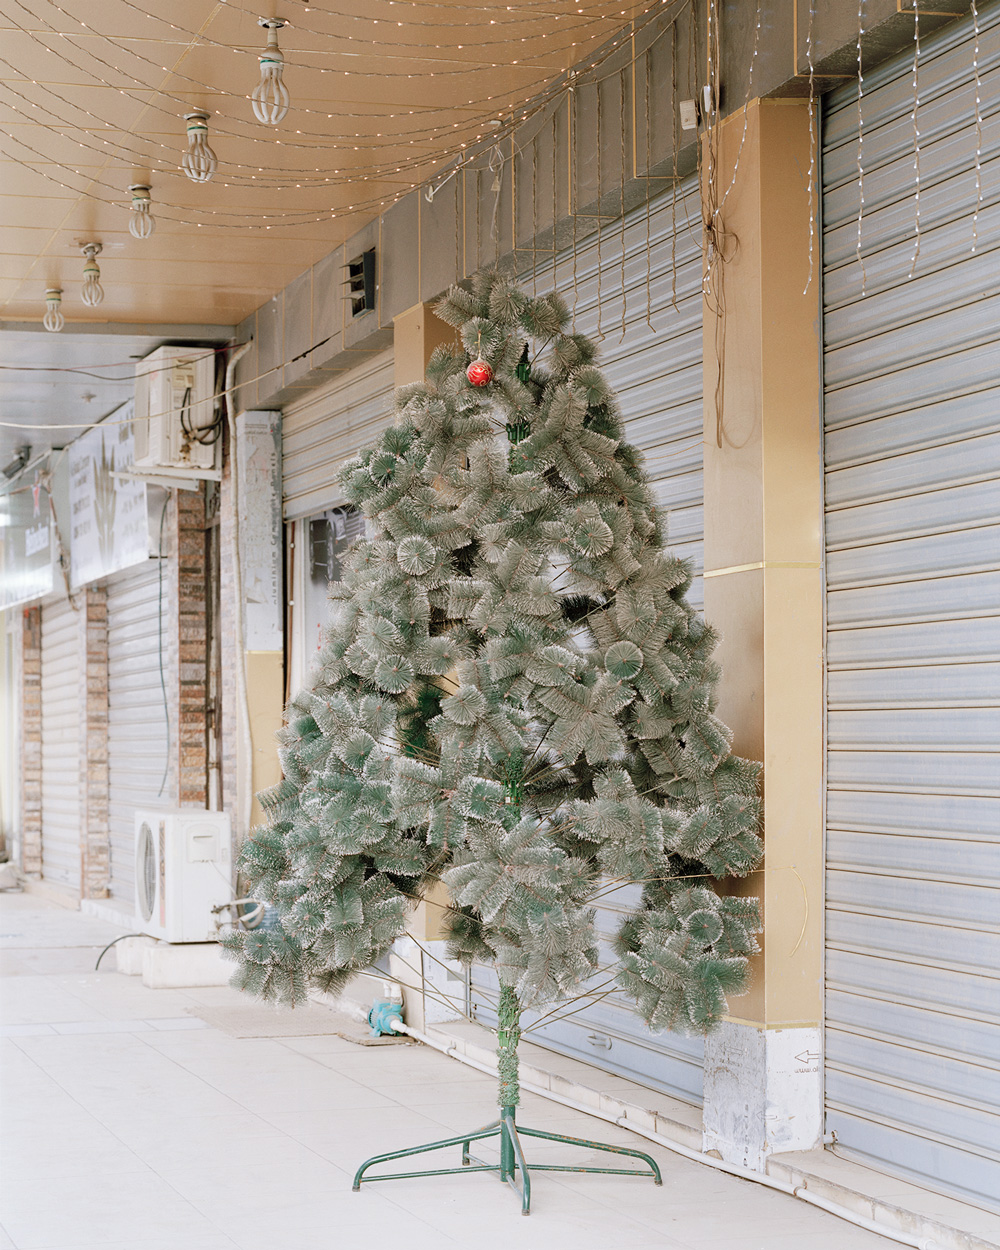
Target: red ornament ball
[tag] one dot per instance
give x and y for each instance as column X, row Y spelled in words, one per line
column 479, row 373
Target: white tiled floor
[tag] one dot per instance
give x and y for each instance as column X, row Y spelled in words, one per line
column 129, row 1125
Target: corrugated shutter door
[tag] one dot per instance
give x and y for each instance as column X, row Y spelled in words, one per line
column 61, row 738
column 137, row 724
column 912, row 462
column 656, row 375
column 333, row 424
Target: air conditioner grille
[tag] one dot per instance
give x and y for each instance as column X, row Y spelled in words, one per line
column 145, row 871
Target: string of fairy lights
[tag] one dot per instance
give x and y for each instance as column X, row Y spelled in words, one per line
column 811, row 176
column 141, row 93
column 915, row 118
column 392, row 163
column 270, row 102
column 320, row 175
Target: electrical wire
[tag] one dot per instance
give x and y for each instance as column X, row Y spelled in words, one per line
column 559, row 85
column 208, row 435
column 182, row 102
column 114, row 941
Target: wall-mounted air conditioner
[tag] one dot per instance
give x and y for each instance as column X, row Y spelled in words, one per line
column 182, row 871
column 175, row 421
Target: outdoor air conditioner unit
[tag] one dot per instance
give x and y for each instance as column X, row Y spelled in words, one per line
column 175, row 418
column 182, row 871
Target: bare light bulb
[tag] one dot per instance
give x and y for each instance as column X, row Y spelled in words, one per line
column 53, row 319
column 92, row 292
column 141, row 222
column 270, row 96
column 199, row 162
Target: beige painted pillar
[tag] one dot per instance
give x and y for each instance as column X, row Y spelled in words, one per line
column 416, row 333
column 764, row 593
column 253, row 745
column 266, row 700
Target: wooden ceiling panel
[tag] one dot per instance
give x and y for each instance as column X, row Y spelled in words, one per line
column 383, row 95
column 17, row 211
column 40, row 145
column 49, row 59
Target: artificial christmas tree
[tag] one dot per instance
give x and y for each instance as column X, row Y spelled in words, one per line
column 514, row 698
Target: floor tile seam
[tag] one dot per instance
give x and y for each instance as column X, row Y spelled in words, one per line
column 191, row 1209
column 325, row 1066
column 87, row 1112
column 108, row 1127
column 73, row 994
column 175, row 1062
column 245, row 1108
column 136, row 1025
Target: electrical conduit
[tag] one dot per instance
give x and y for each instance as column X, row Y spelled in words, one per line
column 244, row 802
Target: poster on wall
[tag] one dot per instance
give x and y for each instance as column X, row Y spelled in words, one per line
column 109, row 528
column 26, row 546
column 259, row 463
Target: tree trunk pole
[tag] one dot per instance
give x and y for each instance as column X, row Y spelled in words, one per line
column 509, row 1094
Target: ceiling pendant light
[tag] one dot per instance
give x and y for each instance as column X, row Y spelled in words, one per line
column 270, row 96
column 141, row 223
column 92, row 292
column 199, row 162
column 53, row 319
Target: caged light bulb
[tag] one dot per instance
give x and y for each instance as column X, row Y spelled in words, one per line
column 270, row 96
column 199, row 162
column 141, row 222
column 92, row 292
column 53, row 319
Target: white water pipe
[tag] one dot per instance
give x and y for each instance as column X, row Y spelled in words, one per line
column 244, row 799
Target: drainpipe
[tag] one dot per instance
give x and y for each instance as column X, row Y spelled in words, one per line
column 244, row 799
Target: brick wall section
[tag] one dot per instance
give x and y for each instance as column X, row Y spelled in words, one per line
column 31, row 741
column 95, row 846
column 188, row 574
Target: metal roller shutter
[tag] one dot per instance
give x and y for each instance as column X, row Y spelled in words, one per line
column 61, row 739
column 137, row 719
column 912, row 462
column 333, row 424
column 657, row 376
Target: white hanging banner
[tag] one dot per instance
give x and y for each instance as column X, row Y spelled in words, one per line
column 25, row 544
column 109, row 529
column 259, row 467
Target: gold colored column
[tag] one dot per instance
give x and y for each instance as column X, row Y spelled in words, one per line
column 265, row 699
column 416, row 333
column 763, row 530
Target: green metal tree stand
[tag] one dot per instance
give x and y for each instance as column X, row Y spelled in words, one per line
column 512, row 1158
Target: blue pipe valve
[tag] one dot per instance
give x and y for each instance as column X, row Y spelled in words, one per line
column 381, row 1016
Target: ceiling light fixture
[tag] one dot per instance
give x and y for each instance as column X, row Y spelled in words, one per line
column 92, row 292
column 141, row 222
column 53, row 319
column 270, row 96
column 199, row 162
